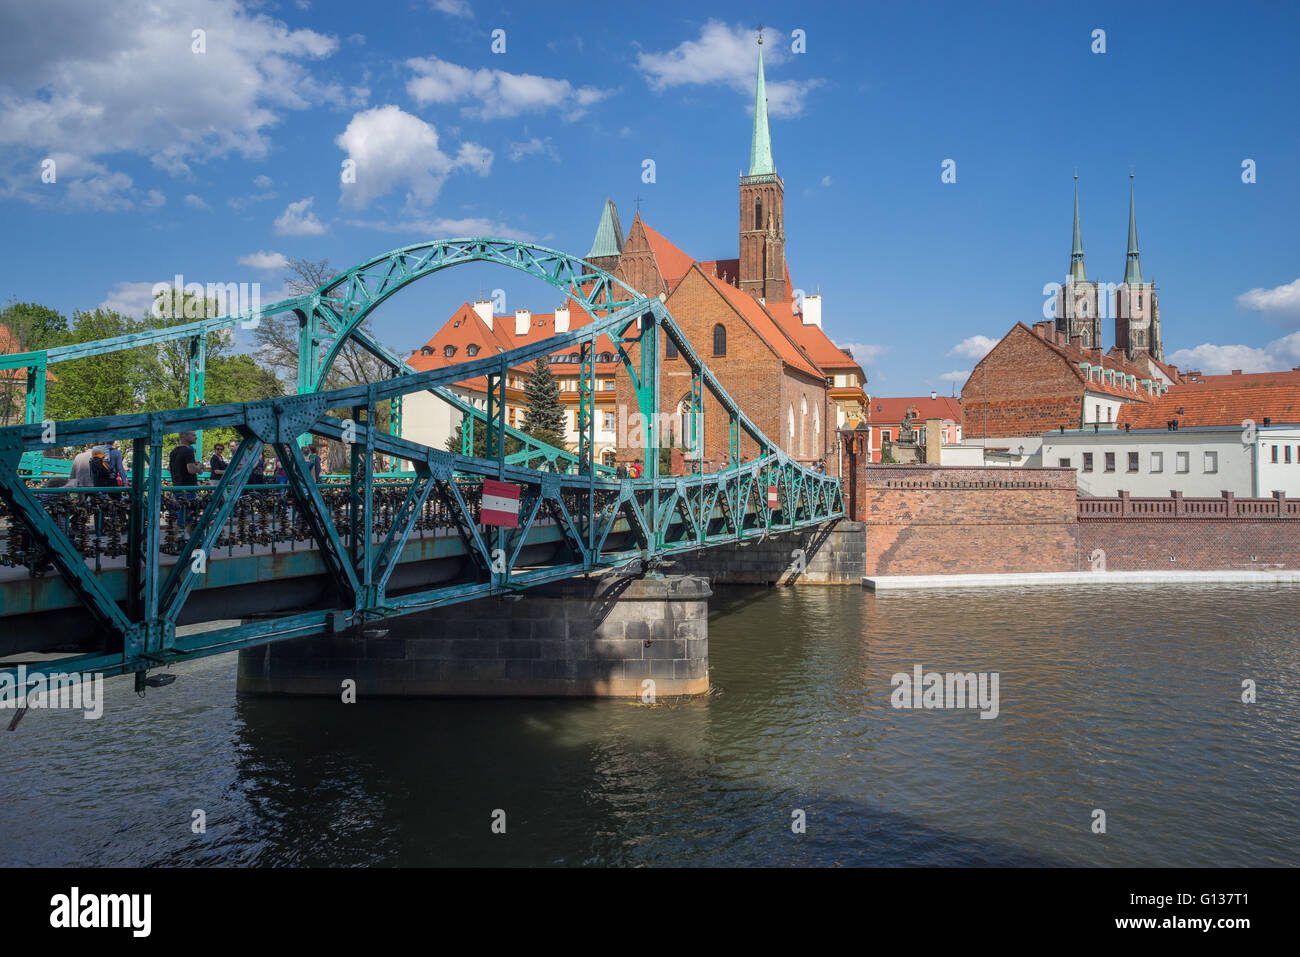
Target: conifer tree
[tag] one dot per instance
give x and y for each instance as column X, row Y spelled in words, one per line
column 544, row 416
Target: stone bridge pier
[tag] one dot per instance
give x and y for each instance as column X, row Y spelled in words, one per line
column 603, row 635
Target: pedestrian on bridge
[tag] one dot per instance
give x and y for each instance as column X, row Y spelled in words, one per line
column 217, row 464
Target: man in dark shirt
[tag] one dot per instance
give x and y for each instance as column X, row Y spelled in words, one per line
column 181, row 463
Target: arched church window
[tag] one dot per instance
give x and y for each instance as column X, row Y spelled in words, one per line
column 719, row 340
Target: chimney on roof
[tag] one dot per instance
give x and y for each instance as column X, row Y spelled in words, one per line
column 484, row 309
column 562, row 319
column 812, row 309
column 933, row 395
column 1076, row 341
column 1236, row 372
column 1040, row 328
column 523, row 319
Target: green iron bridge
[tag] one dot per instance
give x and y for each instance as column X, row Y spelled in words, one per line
column 135, row 563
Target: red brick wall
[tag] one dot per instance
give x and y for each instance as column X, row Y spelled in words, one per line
column 1192, row 544
column 1030, row 390
column 1191, row 534
column 932, row 520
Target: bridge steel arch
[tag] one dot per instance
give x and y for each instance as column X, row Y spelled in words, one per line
column 655, row 515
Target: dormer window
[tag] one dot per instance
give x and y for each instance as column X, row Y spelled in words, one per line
column 426, row 350
column 471, row 349
column 449, row 351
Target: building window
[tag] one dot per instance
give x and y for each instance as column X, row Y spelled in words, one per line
column 1064, row 463
column 817, row 427
column 608, row 422
column 1109, row 412
column 719, row 340
column 1157, row 461
column 449, row 351
column 670, row 348
column 758, row 212
column 803, row 405
column 1182, row 462
column 1132, row 461
column 1211, row 462
column 1139, row 303
column 1087, row 461
column 886, row 435
column 471, row 349
column 1288, row 454
column 1110, row 461
column 1275, row 455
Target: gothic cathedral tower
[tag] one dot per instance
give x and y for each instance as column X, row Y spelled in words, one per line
column 1076, row 305
column 1137, row 312
column 762, row 209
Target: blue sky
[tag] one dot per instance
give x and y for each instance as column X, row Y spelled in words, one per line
column 216, row 164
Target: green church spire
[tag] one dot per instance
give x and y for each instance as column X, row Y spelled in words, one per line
column 1076, row 254
column 609, row 233
column 760, row 150
column 1133, row 266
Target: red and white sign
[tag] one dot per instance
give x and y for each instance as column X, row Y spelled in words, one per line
column 500, row 504
column 773, row 500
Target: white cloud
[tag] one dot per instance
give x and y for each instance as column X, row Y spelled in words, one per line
column 973, row 347
column 298, row 220
column 154, row 199
column 959, row 375
column 727, row 56
column 826, row 181
column 1280, row 301
column 533, row 147
column 394, row 149
column 110, row 78
column 455, row 8
column 262, row 181
column 443, row 228
column 133, row 299
column 196, row 202
column 865, row 353
column 1278, row 356
column 495, row 94
column 265, row 261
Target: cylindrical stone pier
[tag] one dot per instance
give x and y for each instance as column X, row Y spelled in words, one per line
column 597, row 636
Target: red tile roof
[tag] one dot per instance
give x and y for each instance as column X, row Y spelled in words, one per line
column 1238, row 380
column 1210, row 407
column 673, row 263
column 1074, row 355
column 465, row 327
column 814, row 341
column 890, row 411
column 767, row 328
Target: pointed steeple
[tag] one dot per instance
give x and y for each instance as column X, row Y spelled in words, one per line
column 1076, row 254
column 609, row 233
column 1133, row 265
column 760, row 150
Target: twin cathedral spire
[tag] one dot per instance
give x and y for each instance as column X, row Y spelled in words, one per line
column 1137, row 311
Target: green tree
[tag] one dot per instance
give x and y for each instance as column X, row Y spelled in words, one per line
column 543, row 415
column 25, row 327
column 114, row 383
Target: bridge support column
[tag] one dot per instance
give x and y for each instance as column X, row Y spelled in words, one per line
column 600, row 636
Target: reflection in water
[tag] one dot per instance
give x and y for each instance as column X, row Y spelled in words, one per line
column 1124, row 699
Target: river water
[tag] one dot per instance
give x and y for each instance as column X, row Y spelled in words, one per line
column 1123, row 700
